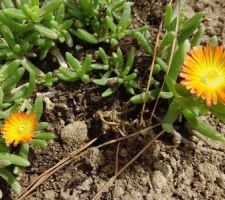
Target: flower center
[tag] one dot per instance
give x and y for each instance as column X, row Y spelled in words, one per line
column 23, row 128
column 212, row 78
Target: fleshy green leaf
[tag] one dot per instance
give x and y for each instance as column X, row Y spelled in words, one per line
column 202, row 127
column 170, row 117
column 11, row 180
column 45, row 136
column 14, row 159
column 39, row 143
column 178, row 60
column 45, row 31
column 38, row 107
column 145, row 96
column 86, row 36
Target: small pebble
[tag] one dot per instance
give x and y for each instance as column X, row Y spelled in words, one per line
column 158, row 181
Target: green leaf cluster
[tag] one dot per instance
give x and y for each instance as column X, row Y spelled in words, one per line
column 98, row 21
column 14, row 160
column 33, row 28
column 181, row 102
column 118, row 71
column 30, row 28
column 113, row 70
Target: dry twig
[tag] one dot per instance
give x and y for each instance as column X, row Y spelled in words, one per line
column 73, row 155
column 142, row 131
column 170, row 60
column 40, row 179
column 111, row 180
column 117, row 158
column 151, row 71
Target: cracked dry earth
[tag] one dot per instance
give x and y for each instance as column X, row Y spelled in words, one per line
column 173, row 168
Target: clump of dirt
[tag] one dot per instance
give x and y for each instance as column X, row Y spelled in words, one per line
column 174, row 167
column 214, row 16
column 74, row 134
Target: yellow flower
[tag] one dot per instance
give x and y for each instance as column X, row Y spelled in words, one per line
column 19, row 127
column 203, row 73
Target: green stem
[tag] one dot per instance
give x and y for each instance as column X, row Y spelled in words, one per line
column 171, row 116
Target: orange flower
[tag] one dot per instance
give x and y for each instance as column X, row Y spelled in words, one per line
column 19, row 127
column 203, row 73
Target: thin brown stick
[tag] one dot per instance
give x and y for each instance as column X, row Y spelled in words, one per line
column 170, row 60
column 117, row 158
column 111, row 180
column 151, row 71
column 53, row 169
column 142, row 131
column 40, row 179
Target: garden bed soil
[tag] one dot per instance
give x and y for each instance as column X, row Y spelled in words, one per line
column 191, row 167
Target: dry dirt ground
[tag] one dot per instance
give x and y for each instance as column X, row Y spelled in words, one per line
column 176, row 168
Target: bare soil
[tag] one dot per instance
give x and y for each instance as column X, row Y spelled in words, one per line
column 181, row 167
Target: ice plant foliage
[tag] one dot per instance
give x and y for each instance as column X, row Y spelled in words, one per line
column 194, row 75
column 31, row 28
column 203, row 73
column 19, row 127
